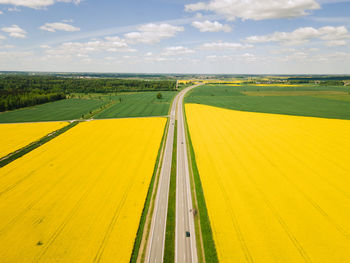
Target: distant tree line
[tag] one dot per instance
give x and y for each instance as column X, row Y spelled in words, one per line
column 17, row 91
column 51, row 84
column 11, row 102
column 328, row 82
column 322, row 80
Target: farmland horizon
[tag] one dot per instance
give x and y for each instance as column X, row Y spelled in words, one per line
column 122, row 74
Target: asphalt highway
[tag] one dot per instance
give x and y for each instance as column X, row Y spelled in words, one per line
column 185, row 246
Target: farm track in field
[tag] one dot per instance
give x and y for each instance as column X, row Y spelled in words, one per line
column 16, row 136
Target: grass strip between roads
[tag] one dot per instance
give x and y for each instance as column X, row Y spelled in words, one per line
column 202, row 222
column 143, row 230
column 169, row 247
column 17, row 154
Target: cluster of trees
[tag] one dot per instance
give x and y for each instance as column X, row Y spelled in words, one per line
column 16, row 101
column 17, row 91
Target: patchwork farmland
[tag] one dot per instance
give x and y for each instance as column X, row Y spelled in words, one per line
column 195, row 131
column 85, row 179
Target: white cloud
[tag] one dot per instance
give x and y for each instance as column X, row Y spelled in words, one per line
column 117, row 40
column 343, row 56
column 45, row 46
column 2, row 37
column 52, row 27
column 152, row 33
column 241, row 58
column 224, row 46
column 110, row 58
column 161, row 60
column 248, row 57
column 6, row 46
column 178, row 50
column 1, row 12
column 333, row 43
column 288, row 50
column 198, row 15
column 15, row 54
column 83, row 49
column 13, row 9
column 296, row 56
column 208, row 26
column 36, row 4
column 256, row 9
column 332, row 35
column 15, row 31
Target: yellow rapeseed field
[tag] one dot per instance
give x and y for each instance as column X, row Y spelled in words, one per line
column 79, row 197
column 209, row 81
column 184, row 81
column 276, row 186
column 18, row 135
column 277, row 85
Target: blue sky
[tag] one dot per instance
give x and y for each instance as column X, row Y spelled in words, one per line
column 176, row 36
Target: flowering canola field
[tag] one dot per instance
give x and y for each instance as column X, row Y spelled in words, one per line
column 15, row 136
column 79, row 197
column 276, row 186
column 277, row 85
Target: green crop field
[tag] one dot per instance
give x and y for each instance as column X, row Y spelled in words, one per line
column 323, row 104
column 138, row 104
column 68, row 109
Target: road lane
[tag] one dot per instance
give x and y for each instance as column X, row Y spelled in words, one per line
column 185, row 247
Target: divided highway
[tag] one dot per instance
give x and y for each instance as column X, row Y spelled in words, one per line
column 185, row 246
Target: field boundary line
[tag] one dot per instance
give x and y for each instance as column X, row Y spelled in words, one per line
column 99, row 110
column 33, row 145
column 143, row 117
column 90, row 119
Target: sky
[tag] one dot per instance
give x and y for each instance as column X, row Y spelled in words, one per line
column 176, row 36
